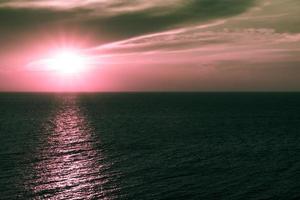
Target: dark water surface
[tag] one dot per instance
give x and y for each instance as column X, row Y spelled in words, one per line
column 150, row 146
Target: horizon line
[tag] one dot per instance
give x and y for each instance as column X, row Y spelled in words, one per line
column 154, row 91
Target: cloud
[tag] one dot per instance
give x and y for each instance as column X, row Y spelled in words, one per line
column 204, row 42
column 21, row 22
column 198, row 44
column 117, row 18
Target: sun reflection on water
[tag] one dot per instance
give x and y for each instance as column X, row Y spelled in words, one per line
column 69, row 166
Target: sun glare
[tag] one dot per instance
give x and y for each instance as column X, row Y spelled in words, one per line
column 67, row 62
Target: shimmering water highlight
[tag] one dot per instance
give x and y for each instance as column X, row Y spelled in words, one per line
column 68, row 165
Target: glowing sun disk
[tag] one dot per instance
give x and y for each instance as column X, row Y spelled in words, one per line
column 67, row 62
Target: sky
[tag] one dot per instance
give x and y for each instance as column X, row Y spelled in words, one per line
column 158, row 45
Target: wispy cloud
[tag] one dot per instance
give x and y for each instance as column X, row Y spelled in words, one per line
column 218, row 45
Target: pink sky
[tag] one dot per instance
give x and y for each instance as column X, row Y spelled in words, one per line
column 255, row 49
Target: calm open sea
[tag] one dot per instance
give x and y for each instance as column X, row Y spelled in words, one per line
column 150, row 146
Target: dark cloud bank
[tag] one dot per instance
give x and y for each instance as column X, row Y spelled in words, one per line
column 99, row 20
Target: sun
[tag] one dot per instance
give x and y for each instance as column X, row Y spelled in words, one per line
column 67, row 61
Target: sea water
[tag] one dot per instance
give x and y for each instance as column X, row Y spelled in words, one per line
column 150, row 146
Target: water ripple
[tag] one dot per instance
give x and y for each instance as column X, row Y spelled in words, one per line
column 68, row 165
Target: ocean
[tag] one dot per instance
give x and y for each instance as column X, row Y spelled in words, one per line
column 231, row 146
